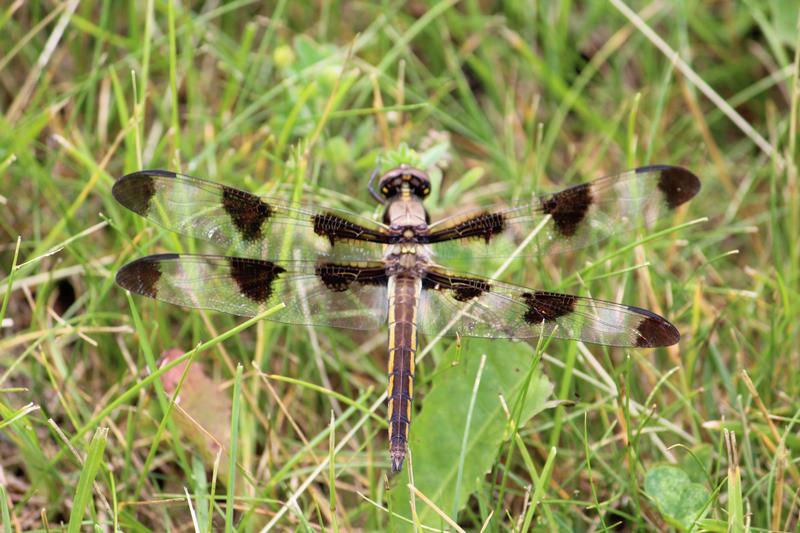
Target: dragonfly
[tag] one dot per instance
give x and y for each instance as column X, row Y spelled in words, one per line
column 332, row 267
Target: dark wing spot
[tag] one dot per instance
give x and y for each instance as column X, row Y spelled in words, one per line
column 463, row 289
column 464, row 292
column 336, row 228
column 339, row 277
column 547, row 306
column 677, row 184
column 568, row 208
column 327, row 225
column 483, row 225
column 486, row 225
column 247, row 211
column 654, row 331
column 141, row 276
column 254, row 277
column 135, row 191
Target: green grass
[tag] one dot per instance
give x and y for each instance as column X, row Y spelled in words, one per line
column 302, row 100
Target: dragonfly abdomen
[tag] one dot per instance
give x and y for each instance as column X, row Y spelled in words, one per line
column 403, row 303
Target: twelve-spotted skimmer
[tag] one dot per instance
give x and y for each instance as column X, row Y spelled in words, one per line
column 335, row 268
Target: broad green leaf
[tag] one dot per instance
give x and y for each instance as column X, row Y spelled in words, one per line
column 697, row 462
column 784, row 17
column 437, row 433
column 679, row 499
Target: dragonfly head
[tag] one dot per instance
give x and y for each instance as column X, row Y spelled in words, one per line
column 412, row 179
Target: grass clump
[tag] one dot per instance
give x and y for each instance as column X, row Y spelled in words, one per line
column 306, row 101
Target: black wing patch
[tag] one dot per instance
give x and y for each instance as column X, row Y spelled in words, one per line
column 654, row 331
column 248, row 213
column 142, row 275
column 254, row 277
column 483, row 226
column 337, row 228
column 339, row 277
column 568, row 208
column 677, row 184
column 461, row 288
column 547, row 306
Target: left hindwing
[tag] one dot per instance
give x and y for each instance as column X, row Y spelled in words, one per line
column 472, row 306
column 342, row 295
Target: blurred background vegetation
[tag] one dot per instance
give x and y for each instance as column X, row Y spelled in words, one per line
column 498, row 100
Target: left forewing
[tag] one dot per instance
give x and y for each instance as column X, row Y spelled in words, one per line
column 244, row 224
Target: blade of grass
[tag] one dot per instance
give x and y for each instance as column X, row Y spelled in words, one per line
column 5, row 514
column 735, row 501
column 230, row 495
column 332, row 472
column 327, row 392
column 450, row 522
column 173, row 86
column 83, row 491
column 541, row 487
column 10, row 281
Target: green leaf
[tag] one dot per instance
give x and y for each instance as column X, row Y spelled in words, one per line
column 83, row 491
column 698, row 462
column 400, row 155
column 437, row 433
column 784, row 17
column 678, row 498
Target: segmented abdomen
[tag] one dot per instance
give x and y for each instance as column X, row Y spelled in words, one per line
column 403, row 303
